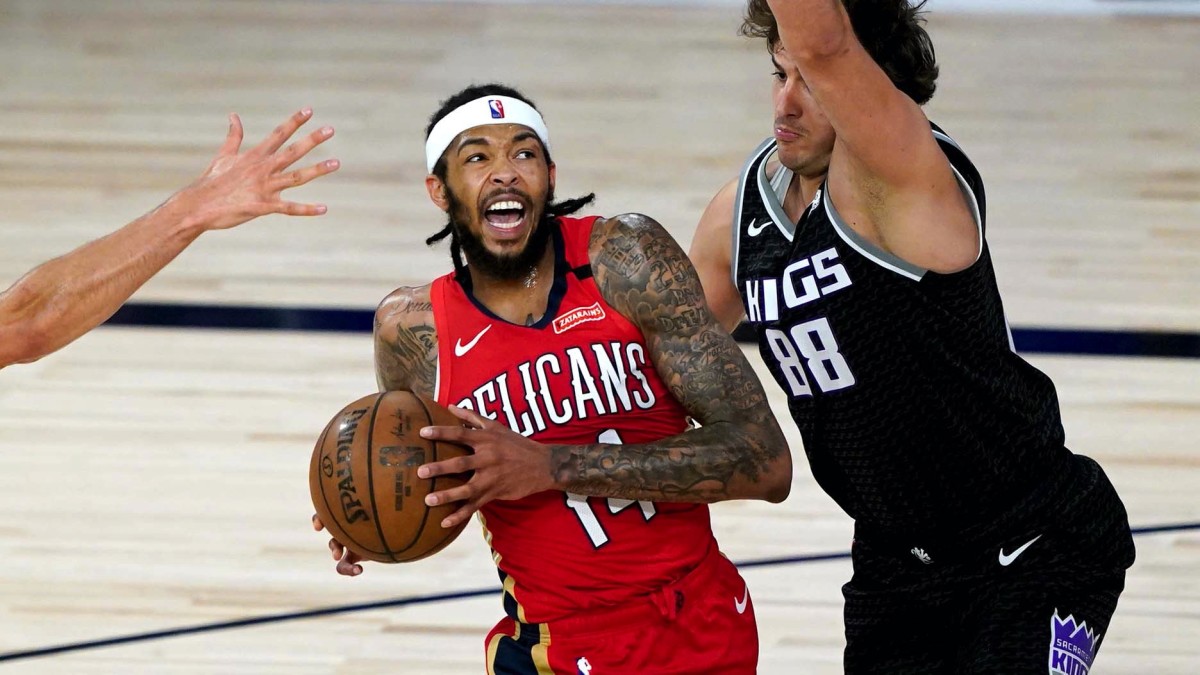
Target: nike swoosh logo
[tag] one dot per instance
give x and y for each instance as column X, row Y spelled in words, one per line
column 460, row 348
column 740, row 605
column 753, row 231
column 1007, row 559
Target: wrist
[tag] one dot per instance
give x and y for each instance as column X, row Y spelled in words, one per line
column 178, row 218
column 563, row 467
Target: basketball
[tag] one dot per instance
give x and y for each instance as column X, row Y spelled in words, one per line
column 364, row 483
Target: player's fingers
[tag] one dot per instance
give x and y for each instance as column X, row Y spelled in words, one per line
column 347, row 567
column 460, row 516
column 301, row 176
column 353, row 559
column 469, row 416
column 461, row 493
column 302, row 147
column 336, row 548
column 316, row 523
column 444, row 433
column 453, row 465
column 298, row 209
column 233, row 139
column 282, row 133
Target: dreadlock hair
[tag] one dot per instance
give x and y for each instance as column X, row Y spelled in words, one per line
column 890, row 31
column 553, row 209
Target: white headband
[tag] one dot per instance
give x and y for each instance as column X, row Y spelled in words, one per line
column 478, row 113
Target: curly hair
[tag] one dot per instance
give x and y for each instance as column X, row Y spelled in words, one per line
column 890, row 31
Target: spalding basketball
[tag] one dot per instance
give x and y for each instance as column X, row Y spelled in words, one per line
column 364, row 483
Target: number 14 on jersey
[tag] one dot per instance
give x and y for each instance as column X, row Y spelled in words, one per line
column 583, row 508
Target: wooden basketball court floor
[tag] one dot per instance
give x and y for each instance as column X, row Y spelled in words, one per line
column 153, row 480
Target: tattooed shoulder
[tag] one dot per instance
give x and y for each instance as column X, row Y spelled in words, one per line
column 639, row 266
column 406, row 341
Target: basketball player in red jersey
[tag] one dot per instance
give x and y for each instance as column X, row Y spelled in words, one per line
column 60, row 300
column 575, row 350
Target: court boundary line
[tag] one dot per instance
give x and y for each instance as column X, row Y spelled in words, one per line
column 1028, row 340
column 413, row 600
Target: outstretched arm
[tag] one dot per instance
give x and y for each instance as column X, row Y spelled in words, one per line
column 66, row 297
column 887, row 173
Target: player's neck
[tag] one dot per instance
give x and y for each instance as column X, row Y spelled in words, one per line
column 522, row 300
column 800, row 193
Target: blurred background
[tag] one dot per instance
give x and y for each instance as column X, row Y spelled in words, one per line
column 153, row 475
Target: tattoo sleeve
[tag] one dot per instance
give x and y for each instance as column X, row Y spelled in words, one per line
column 739, row 450
column 406, row 342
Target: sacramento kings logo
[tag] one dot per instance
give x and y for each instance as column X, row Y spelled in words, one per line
column 1072, row 647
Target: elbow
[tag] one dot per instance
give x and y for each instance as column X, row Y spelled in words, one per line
column 777, row 493
column 777, row 481
column 826, row 49
column 829, row 42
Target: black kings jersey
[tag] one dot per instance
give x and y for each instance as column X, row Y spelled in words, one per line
column 916, row 414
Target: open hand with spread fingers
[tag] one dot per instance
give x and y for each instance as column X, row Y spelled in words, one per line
column 65, row 297
column 506, row 465
column 240, row 186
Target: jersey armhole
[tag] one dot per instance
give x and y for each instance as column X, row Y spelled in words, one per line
column 865, row 248
column 953, row 150
column 437, row 299
column 889, row 260
column 973, row 203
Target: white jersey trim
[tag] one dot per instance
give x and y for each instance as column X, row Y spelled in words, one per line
column 966, row 190
column 772, row 192
column 437, row 377
column 865, row 248
column 736, row 230
column 889, row 260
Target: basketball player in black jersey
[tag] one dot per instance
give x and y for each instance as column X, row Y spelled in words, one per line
column 857, row 255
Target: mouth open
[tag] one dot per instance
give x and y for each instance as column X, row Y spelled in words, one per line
column 505, row 215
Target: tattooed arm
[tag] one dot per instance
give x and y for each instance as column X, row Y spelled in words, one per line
column 739, row 452
column 406, row 341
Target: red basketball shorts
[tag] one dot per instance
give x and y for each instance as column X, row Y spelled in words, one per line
column 701, row 624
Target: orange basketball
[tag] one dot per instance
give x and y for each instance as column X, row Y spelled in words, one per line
column 364, row 483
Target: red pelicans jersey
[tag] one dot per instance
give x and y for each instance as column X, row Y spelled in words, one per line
column 581, row 375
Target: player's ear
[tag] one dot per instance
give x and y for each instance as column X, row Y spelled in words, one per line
column 553, row 172
column 437, row 192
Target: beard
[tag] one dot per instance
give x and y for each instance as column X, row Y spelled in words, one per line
column 505, row 267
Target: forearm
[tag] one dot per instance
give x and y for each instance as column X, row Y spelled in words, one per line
column 64, row 298
column 713, row 463
column 739, row 452
column 811, row 28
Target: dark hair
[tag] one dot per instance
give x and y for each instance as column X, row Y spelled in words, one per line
column 890, row 31
column 553, row 209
